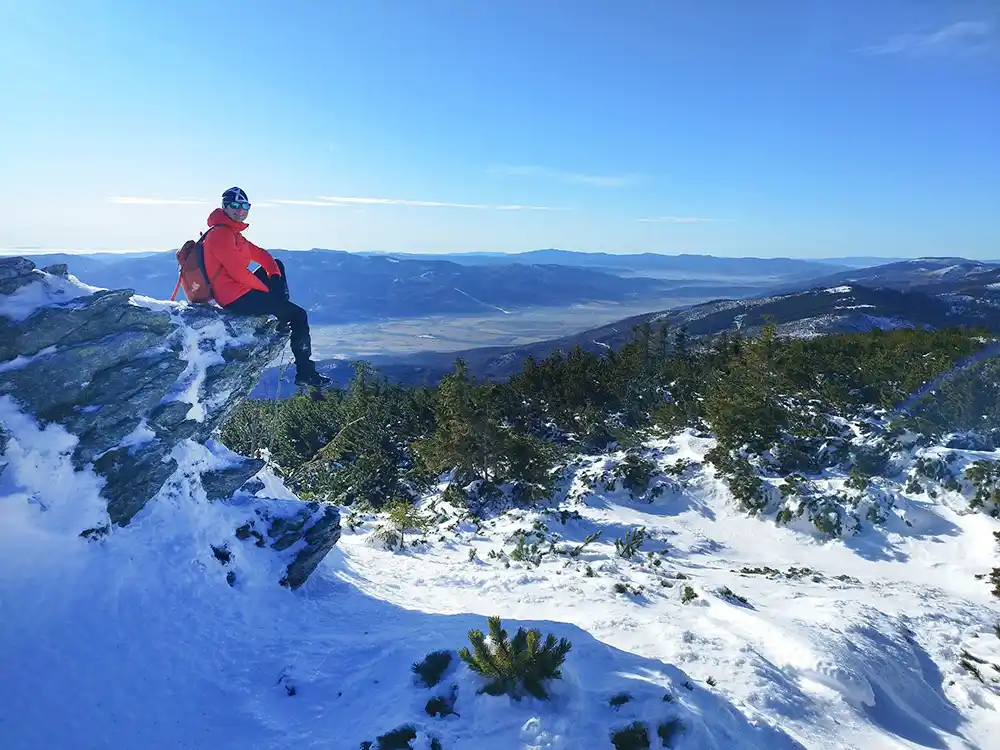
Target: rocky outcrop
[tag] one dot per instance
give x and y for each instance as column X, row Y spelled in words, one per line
column 133, row 378
column 307, row 530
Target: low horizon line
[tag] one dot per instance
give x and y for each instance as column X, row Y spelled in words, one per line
column 34, row 250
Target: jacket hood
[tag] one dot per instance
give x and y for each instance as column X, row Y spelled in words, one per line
column 218, row 216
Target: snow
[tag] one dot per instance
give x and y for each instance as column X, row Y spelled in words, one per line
column 201, row 348
column 47, row 290
column 485, row 304
column 944, row 271
column 136, row 640
column 141, row 435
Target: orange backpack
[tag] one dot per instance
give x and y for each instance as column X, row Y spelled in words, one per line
column 192, row 274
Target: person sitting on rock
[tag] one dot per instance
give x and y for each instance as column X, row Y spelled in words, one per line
column 263, row 292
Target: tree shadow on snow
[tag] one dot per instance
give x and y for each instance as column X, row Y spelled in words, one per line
column 882, row 542
column 673, row 502
column 352, row 660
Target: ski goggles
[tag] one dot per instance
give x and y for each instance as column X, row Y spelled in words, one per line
column 245, row 205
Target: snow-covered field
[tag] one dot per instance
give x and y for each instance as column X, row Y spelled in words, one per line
column 137, row 641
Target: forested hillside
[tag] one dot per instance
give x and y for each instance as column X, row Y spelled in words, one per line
column 780, row 410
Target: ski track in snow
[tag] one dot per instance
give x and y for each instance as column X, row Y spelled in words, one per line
column 484, row 304
column 136, row 641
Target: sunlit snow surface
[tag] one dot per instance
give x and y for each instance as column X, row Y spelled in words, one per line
column 136, row 640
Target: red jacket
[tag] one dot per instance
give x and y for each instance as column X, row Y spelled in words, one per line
column 227, row 255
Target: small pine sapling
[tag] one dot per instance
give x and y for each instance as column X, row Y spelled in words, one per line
column 402, row 516
column 529, row 553
column 633, row 540
column 590, row 539
column 727, row 593
column 430, row 671
column 515, row 666
column 633, row 737
column 398, row 739
column 619, row 700
column 668, row 730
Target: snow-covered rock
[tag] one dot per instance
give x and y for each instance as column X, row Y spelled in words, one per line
column 134, row 384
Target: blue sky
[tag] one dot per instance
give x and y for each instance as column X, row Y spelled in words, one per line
column 790, row 128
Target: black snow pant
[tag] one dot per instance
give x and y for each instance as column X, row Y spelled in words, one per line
column 276, row 302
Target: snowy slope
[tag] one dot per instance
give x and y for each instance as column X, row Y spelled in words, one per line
column 840, row 644
column 138, row 642
column 883, row 639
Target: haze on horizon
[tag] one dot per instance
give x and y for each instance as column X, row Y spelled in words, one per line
column 799, row 130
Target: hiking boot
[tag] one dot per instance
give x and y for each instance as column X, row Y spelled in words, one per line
column 312, row 378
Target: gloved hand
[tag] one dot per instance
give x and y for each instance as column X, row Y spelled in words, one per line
column 276, row 284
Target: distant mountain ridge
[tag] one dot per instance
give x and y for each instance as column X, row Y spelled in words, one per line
column 969, row 298
column 931, row 274
column 339, row 287
column 795, row 268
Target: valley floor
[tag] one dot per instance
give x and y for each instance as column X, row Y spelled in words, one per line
column 447, row 333
column 137, row 641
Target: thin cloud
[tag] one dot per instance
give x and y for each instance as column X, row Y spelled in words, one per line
column 136, row 201
column 578, row 178
column 324, row 201
column 527, row 208
column 962, row 37
column 677, row 219
column 339, row 199
column 295, row 202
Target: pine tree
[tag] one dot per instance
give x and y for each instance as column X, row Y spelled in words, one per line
column 473, row 436
column 746, row 405
column 368, row 460
column 518, row 666
column 291, row 430
column 454, row 443
column 529, row 466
